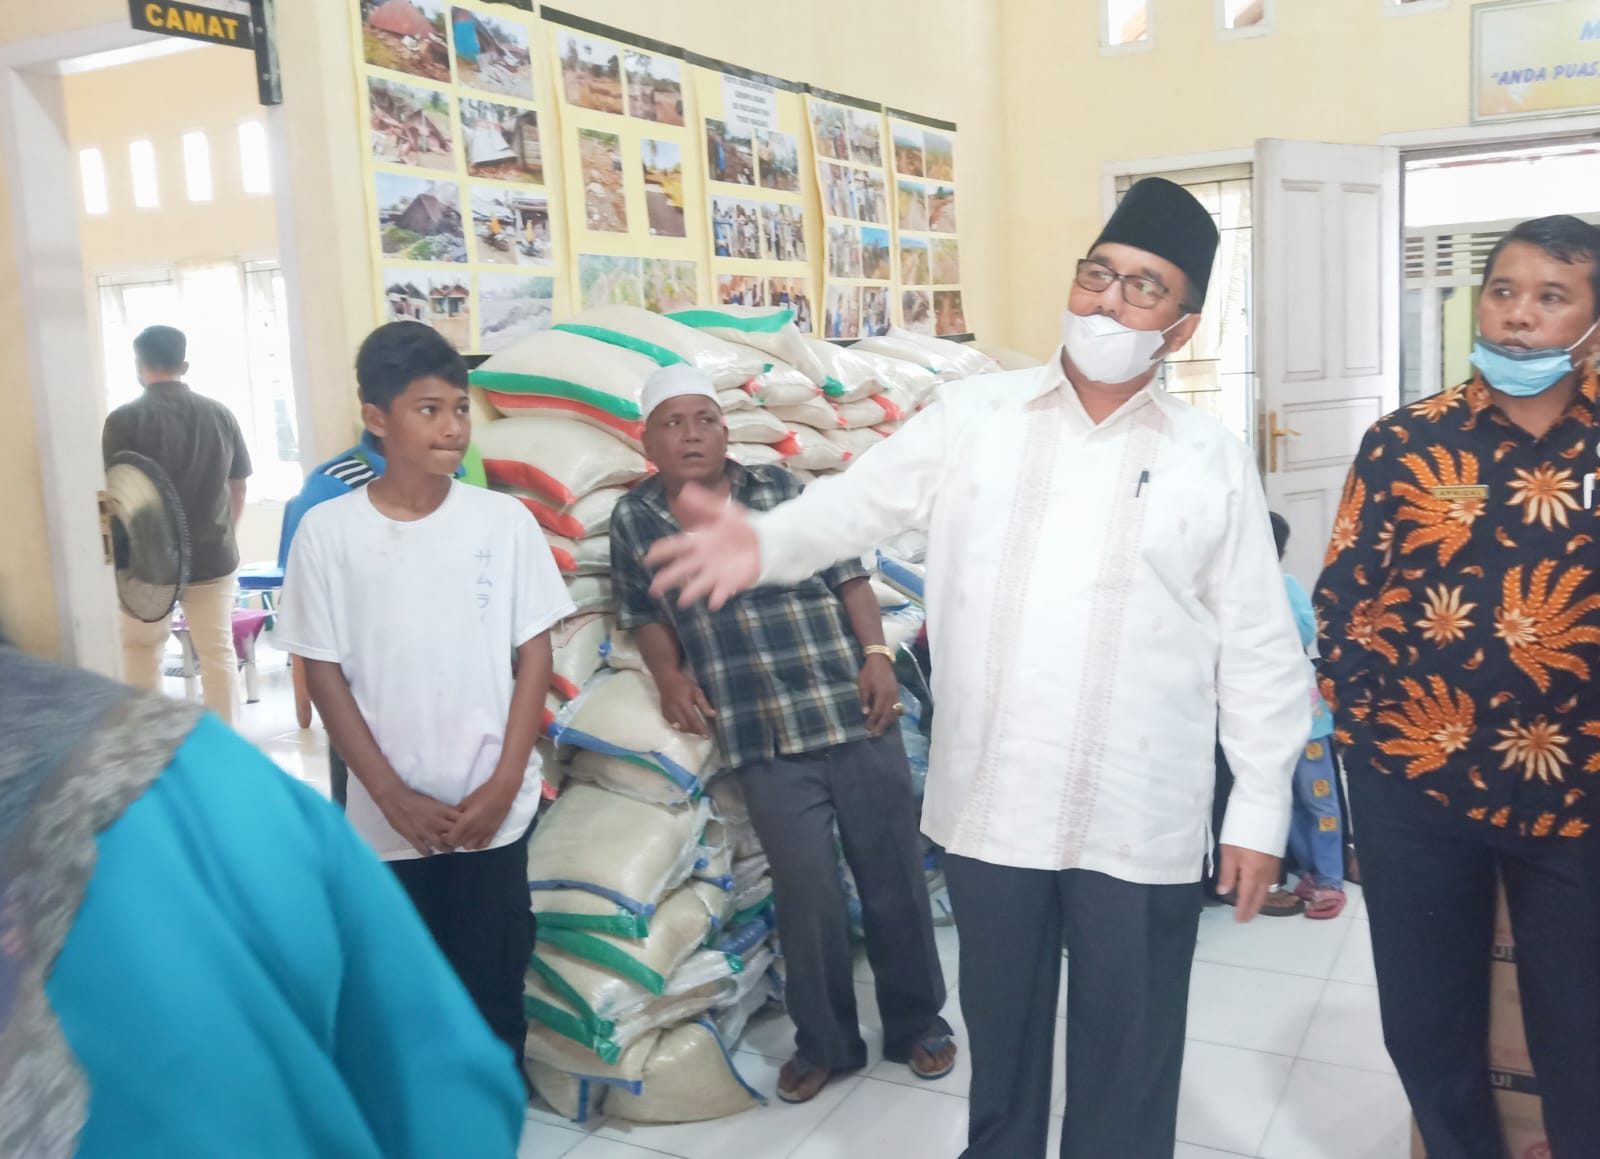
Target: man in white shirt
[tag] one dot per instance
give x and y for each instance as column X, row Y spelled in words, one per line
column 1104, row 599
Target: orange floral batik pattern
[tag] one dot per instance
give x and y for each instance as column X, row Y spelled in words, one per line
column 1459, row 611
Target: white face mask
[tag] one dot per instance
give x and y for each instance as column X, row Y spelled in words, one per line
column 1104, row 350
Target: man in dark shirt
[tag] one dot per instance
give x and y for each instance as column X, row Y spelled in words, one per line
column 805, row 709
column 1460, row 617
column 198, row 443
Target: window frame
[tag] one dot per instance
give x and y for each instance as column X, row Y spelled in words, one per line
column 1413, row 7
column 1145, row 45
column 1268, row 25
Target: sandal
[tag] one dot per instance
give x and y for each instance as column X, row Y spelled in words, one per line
column 800, row 1081
column 925, row 1055
column 1325, row 904
column 1280, row 903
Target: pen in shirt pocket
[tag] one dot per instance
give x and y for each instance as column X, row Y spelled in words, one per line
column 1144, row 477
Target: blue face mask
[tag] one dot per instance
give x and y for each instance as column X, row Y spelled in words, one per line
column 1525, row 373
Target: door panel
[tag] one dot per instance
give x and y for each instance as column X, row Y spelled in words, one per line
column 1327, row 341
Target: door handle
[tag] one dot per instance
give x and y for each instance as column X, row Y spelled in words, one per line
column 1274, row 433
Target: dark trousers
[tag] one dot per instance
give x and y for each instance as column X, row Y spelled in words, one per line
column 338, row 777
column 1130, row 948
column 476, row 907
column 794, row 803
column 1429, row 879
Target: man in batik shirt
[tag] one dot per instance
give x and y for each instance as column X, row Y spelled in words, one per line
column 1461, row 644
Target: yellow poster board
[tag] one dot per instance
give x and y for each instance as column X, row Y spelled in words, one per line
column 630, row 167
column 765, row 239
column 927, row 250
column 1535, row 58
column 460, row 186
column 858, row 275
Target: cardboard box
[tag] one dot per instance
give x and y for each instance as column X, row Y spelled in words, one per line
column 1510, row 1069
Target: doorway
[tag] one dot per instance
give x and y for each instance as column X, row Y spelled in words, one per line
column 85, row 213
column 1456, row 205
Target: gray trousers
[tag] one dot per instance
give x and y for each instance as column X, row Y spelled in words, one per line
column 1131, row 947
column 794, row 802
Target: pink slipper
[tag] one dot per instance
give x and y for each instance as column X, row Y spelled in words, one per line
column 1325, row 903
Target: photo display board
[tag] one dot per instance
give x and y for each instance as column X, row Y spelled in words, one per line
column 927, row 250
column 631, row 172
column 858, row 272
column 764, row 236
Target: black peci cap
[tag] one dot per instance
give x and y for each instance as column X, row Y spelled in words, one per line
column 1165, row 219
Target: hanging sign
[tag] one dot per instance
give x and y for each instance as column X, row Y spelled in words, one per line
column 213, row 25
column 1535, row 58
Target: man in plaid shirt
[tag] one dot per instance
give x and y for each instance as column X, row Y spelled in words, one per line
column 804, row 707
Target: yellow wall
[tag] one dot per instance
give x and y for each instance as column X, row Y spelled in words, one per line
column 1332, row 70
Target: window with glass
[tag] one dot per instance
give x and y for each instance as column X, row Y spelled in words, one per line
column 146, row 186
column 1124, row 24
column 1244, row 17
column 255, row 166
column 236, row 319
column 1216, row 370
column 197, row 166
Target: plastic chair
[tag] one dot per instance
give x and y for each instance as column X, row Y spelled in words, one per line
column 247, row 625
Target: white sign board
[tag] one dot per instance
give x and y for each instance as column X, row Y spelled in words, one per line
column 749, row 105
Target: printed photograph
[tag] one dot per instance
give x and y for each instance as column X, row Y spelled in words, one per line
column 512, row 306
column 736, row 228
column 511, row 227
column 604, row 280
column 739, row 290
column 844, row 250
column 948, row 315
column 942, row 209
column 908, row 155
column 655, row 87
column 841, row 313
column 502, row 141
column 420, row 220
column 783, row 232
column 670, row 285
column 913, row 202
column 409, row 125
column 875, row 320
column 866, row 137
column 730, row 156
column 663, row 187
column 604, row 200
column 491, row 54
column 443, row 301
column 795, row 294
column 832, row 129
column 591, row 73
column 876, row 262
column 940, row 151
column 838, row 190
column 406, row 36
column 946, row 257
column 916, row 311
column 871, row 200
column 914, row 267
column 779, row 158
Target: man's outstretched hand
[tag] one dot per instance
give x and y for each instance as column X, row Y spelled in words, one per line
column 716, row 559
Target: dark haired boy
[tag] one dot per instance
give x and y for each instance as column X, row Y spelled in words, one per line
column 1460, row 613
column 422, row 607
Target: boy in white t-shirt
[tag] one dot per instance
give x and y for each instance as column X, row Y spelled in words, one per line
column 422, row 608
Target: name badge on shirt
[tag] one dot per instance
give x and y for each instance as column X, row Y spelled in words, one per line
column 1477, row 492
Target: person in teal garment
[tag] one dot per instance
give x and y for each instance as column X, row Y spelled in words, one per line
column 198, row 956
column 1316, row 828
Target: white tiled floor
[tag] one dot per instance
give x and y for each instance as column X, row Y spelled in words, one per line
column 1285, row 1057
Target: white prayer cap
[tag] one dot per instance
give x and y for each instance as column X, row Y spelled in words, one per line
column 675, row 381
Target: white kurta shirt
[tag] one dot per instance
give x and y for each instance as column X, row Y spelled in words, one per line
column 1101, row 601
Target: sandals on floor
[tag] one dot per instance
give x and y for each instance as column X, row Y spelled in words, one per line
column 929, row 1049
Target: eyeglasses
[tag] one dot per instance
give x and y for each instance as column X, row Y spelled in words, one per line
column 1137, row 290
